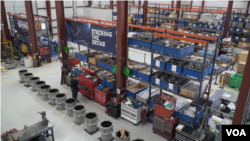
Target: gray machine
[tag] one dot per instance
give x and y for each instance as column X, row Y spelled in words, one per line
column 9, row 64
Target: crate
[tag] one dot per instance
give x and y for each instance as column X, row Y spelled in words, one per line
column 114, row 13
column 101, row 64
column 143, row 76
column 204, row 25
column 101, row 97
column 159, row 64
column 160, row 110
column 114, row 111
column 138, row 16
column 238, row 29
column 109, row 67
column 111, row 85
column 196, row 73
column 237, row 37
column 133, row 94
column 191, row 120
column 235, row 80
column 241, row 19
column 155, row 81
column 173, row 87
column 231, row 29
column 233, row 19
column 82, row 57
column 183, row 23
column 139, row 43
column 77, row 71
column 179, row 52
column 174, row 68
column 102, row 82
column 159, row 47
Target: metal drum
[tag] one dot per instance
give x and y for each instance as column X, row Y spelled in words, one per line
column 69, row 105
column 106, row 130
column 91, row 122
column 21, row 75
column 118, row 135
column 39, row 84
column 44, row 91
column 27, row 77
column 60, row 101
column 33, row 81
column 79, row 113
column 52, row 96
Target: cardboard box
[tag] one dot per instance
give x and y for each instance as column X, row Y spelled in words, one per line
column 168, row 26
column 243, row 56
column 181, row 29
column 236, row 57
column 246, row 30
column 172, row 15
column 247, row 20
column 243, row 39
column 92, row 60
column 152, row 10
column 240, row 67
column 243, row 44
column 136, row 88
column 192, row 16
column 227, row 75
column 38, row 26
column 189, row 93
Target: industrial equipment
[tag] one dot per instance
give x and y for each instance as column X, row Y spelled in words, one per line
column 79, row 113
column 44, row 118
column 122, row 135
column 52, row 96
column 27, row 78
column 21, row 75
column 39, row 84
column 69, row 105
column 106, row 130
column 33, row 81
column 91, row 123
column 184, row 133
column 44, row 91
column 9, row 64
column 60, row 101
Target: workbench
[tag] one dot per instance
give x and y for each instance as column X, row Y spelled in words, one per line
column 33, row 131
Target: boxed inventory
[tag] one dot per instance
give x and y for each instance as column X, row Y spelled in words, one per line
column 243, row 56
column 191, row 89
column 192, row 16
column 38, row 25
column 227, row 75
column 241, row 67
column 172, row 15
column 181, row 29
column 168, row 26
column 135, row 89
column 243, row 44
column 152, row 10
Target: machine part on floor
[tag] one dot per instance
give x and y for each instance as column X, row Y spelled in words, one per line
column 106, row 130
column 44, row 118
column 138, row 140
column 69, row 105
column 39, row 84
column 33, row 81
column 21, row 75
column 60, row 101
column 79, row 113
column 91, row 122
column 122, row 135
column 44, row 91
column 27, row 79
column 52, row 96
column 9, row 64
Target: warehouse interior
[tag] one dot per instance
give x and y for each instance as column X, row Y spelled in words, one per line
column 133, row 70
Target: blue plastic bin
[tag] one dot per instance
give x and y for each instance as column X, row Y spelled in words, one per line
column 218, row 27
column 113, row 86
column 158, row 64
column 237, row 37
column 248, row 39
column 152, row 104
column 179, row 52
column 241, row 19
column 211, row 26
column 114, row 13
column 233, row 19
column 196, row 73
column 103, row 82
column 227, row 59
column 77, row 71
column 132, row 94
column 238, row 29
column 138, row 16
column 204, row 25
column 139, row 43
column 101, row 64
column 231, row 28
column 183, row 23
column 160, row 48
column 82, row 57
column 143, row 76
column 109, row 67
column 174, row 68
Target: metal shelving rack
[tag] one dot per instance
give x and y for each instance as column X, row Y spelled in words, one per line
column 200, row 95
column 114, row 13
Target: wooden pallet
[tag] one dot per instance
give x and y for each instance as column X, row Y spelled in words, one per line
column 51, row 104
column 77, row 123
column 111, row 139
column 60, row 110
column 93, row 132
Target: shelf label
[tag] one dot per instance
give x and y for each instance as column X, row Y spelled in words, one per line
column 237, row 29
column 239, row 19
column 173, row 68
column 199, row 44
column 60, row 54
column 218, row 27
column 157, row 81
column 118, row 91
column 180, row 126
column 157, row 63
column 170, row 86
column 189, row 16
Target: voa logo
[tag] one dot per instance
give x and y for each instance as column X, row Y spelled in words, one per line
column 236, row 132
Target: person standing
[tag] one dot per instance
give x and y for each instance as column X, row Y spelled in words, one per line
column 74, row 87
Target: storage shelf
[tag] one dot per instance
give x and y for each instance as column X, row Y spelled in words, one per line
column 200, row 28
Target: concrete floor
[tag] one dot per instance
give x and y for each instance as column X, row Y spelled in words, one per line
column 19, row 107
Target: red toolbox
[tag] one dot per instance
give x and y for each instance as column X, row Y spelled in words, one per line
column 101, row 96
column 163, row 111
column 164, row 126
column 86, row 91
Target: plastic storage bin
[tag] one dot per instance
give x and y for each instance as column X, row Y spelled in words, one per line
column 179, row 52
column 82, row 57
column 101, row 64
column 133, row 94
column 174, row 68
column 142, row 75
column 160, row 64
column 196, row 73
column 159, row 47
column 139, row 43
column 235, row 80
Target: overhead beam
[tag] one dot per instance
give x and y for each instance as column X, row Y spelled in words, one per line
column 32, row 33
column 229, row 11
column 4, row 20
column 145, row 12
column 122, row 42
column 48, row 7
column 244, row 95
column 62, row 38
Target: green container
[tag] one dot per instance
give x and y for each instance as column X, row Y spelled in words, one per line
column 235, row 80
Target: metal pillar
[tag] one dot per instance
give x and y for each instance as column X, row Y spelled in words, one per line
column 111, row 4
column 239, row 115
column 178, row 5
column 62, row 37
column 191, row 4
column 32, row 33
column 229, row 11
column 145, row 12
column 74, row 3
column 172, row 3
column 4, row 20
column 90, row 3
column 139, row 2
column 202, row 4
column 122, row 44
column 48, row 7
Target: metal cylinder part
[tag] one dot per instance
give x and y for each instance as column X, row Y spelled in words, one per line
column 21, row 75
column 60, row 99
column 39, row 84
column 138, row 140
column 91, row 122
column 79, row 113
column 118, row 135
column 106, row 130
column 52, row 95
column 27, row 77
column 69, row 105
column 33, row 81
column 44, row 91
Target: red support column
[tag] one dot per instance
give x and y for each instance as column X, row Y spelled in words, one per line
column 139, row 2
column 90, row 3
column 111, row 4
column 244, row 95
column 178, row 6
column 32, row 33
column 145, row 12
column 229, row 11
column 62, row 37
column 202, row 4
column 122, row 42
column 172, row 3
column 191, row 4
column 4, row 21
column 48, row 7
